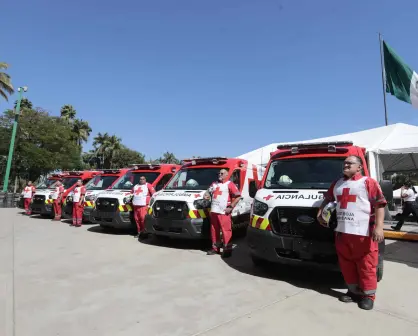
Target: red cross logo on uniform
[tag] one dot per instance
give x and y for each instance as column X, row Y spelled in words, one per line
column 138, row 191
column 345, row 198
column 217, row 193
column 76, row 191
column 268, row 197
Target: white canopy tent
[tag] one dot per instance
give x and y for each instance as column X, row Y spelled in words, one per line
column 390, row 148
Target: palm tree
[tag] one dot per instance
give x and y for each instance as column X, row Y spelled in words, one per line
column 81, row 131
column 169, row 158
column 5, row 82
column 25, row 103
column 68, row 112
column 106, row 147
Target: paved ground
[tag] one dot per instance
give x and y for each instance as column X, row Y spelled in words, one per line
column 82, row 281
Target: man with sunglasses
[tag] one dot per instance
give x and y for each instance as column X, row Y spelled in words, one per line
column 225, row 196
column 141, row 195
column 360, row 214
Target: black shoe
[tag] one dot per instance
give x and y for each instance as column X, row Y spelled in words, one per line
column 366, row 303
column 395, row 228
column 212, row 252
column 226, row 254
column 349, row 297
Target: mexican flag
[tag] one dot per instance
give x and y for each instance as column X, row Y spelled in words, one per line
column 401, row 80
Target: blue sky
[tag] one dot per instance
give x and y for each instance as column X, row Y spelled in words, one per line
column 218, row 77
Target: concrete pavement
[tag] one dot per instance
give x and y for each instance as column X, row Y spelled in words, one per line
column 83, row 281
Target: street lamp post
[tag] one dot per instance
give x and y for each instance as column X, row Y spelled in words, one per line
column 12, row 140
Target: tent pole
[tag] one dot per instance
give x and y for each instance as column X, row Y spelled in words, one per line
column 383, row 77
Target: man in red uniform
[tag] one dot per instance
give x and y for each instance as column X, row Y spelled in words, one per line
column 225, row 196
column 141, row 195
column 28, row 193
column 57, row 197
column 360, row 213
column 78, row 203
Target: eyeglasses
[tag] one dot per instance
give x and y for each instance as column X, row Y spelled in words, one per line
column 349, row 163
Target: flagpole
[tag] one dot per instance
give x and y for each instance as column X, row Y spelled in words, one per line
column 383, row 78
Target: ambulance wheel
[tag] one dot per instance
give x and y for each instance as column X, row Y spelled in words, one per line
column 258, row 262
column 380, row 271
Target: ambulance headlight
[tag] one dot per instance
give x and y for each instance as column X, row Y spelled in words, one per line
column 260, row 208
column 91, row 198
column 201, row 204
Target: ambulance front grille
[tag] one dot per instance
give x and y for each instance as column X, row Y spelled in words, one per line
column 39, row 199
column 107, row 204
column 284, row 221
column 170, row 209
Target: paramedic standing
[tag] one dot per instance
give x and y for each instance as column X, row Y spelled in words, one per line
column 408, row 194
column 360, row 213
column 78, row 204
column 225, row 196
column 141, row 195
column 57, row 197
column 28, row 194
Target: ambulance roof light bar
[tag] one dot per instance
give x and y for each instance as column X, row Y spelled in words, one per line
column 144, row 166
column 331, row 145
column 110, row 171
column 214, row 160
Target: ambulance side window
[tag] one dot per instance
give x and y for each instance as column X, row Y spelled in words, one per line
column 236, row 178
column 163, row 181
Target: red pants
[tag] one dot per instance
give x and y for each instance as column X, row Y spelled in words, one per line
column 220, row 223
column 28, row 210
column 139, row 215
column 78, row 213
column 57, row 208
column 358, row 257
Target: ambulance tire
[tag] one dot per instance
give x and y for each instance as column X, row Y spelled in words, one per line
column 380, row 270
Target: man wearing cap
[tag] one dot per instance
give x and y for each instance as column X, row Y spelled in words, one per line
column 225, row 196
column 141, row 195
column 360, row 212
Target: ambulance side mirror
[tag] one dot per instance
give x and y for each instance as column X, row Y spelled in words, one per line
column 252, row 189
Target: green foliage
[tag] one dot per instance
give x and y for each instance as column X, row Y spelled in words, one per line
column 6, row 87
column 43, row 143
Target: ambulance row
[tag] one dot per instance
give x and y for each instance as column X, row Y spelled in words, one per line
column 278, row 207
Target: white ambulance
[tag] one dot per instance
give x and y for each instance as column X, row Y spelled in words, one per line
column 112, row 207
column 284, row 228
column 179, row 210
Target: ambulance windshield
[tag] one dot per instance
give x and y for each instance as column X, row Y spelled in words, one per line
column 309, row 173
column 127, row 181
column 45, row 184
column 100, row 182
column 194, row 178
column 67, row 182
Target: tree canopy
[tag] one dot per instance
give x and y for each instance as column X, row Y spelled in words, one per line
column 46, row 143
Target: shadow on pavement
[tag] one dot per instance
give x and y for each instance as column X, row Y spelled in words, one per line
column 405, row 252
column 109, row 231
column 180, row 244
column 317, row 280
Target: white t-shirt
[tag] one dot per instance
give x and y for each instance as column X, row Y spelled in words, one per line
column 410, row 195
